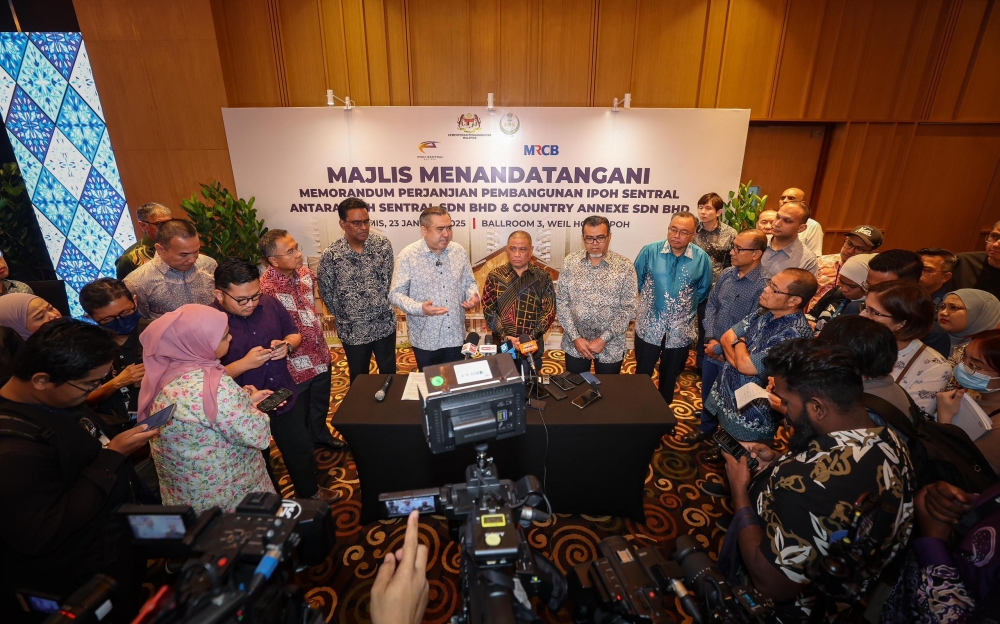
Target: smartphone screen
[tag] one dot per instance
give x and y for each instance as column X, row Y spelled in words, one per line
column 400, row 504
column 160, row 418
column 586, row 399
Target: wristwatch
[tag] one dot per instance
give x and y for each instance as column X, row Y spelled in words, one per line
column 737, row 341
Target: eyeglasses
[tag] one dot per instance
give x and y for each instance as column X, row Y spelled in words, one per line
column 772, row 288
column 950, row 308
column 88, row 389
column 677, row 231
column 739, row 249
column 112, row 319
column 992, row 238
column 590, row 240
column 850, row 245
column 359, row 224
column 242, row 301
column 863, row 307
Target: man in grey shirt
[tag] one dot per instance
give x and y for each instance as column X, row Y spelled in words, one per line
column 433, row 284
column 786, row 251
column 595, row 300
column 177, row 274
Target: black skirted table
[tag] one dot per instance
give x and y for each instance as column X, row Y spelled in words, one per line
column 597, row 457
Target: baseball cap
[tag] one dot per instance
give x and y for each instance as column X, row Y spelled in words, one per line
column 869, row 234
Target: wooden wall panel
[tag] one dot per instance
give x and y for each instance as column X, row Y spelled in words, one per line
column 484, row 49
column 398, row 52
column 754, row 33
column 616, row 25
column 781, row 156
column 957, row 58
column 302, row 45
column 250, row 71
column 798, row 59
column 948, row 174
column 159, row 74
column 669, row 39
column 518, row 52
column 566, row 52
column 981, row 97
column 439, row 38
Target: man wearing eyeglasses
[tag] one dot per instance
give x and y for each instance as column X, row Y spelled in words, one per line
column 674, row 277
column 864, row 239
column 177, row 275
column 744, row 347
column 288, row 280
column 734, row 295
column 981, row 269
column 263, row 337
column 595, row 301
column 150, row 216
column 355, row 273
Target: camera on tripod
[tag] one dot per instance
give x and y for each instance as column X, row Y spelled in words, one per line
column 239, row 565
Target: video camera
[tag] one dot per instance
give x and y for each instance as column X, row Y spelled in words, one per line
column 489, row 514
column 239, row 565
column 630, row 584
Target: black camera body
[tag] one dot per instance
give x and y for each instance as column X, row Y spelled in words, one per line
column 499, row 570
column 239, row 564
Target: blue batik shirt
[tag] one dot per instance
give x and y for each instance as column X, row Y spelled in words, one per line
column 670, row 289
column 762, row 332
column 732, row 298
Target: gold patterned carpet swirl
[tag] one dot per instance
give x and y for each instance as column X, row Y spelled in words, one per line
column 674, row 506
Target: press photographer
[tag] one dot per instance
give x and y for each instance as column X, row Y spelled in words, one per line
column 62, row 480
column 788, row 518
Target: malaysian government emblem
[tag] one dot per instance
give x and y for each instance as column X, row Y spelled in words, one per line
column 510, row 124
column 469, row 123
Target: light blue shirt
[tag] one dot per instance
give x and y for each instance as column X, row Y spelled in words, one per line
column 446, row 280
column 670, row 289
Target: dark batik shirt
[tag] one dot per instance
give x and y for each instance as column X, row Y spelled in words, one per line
column 516, row 305
column 269, row 321
column 355, row 288
column 808, row 497
column 716, row 244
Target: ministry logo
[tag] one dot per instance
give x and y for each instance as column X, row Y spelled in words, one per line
column 469, row 122
column 510, row 124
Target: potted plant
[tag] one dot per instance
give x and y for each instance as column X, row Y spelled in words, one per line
column 227, row 226
column 741, row 211
column 20, row 239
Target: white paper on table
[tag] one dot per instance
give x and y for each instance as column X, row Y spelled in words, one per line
column 416, row 387
column 747, row 393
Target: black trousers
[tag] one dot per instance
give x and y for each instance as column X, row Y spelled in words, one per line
column 315, row 395
column 359, row 357
column 438, row 356
column 291, row 433
column 672, row 362
column 582, row 365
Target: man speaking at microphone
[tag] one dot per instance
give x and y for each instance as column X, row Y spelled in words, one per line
column 518, row 297
column 433, row 284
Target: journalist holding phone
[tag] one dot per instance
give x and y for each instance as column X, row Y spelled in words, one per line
column 209, row 453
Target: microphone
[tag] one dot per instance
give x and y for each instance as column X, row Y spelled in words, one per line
column 470, row 348
column 526, row 348
column 380, row 395
column 507, row 347
column 487, row 348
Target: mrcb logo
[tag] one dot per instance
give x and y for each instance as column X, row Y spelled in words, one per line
column 541, row 150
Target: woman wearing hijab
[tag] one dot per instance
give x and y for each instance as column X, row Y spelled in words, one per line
column 209, row 454
column 962, row 314
column 850, row 287
column 26, row 313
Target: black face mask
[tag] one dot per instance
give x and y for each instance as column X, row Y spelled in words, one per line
column 124, row 326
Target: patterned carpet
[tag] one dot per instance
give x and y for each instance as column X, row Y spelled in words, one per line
column 674, row 506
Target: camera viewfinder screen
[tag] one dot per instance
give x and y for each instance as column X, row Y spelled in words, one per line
column 154, row 527
column 403, row 506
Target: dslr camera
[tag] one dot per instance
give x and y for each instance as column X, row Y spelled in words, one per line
column 239, row 565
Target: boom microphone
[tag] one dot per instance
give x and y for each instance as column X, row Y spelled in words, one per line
column 471, row 348
column 526, row 348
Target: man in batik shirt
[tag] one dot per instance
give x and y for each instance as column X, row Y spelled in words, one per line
column 786, row 520
column 291, row 283
column 519, row 297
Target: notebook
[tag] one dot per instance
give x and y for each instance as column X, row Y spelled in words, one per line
column 972, row 419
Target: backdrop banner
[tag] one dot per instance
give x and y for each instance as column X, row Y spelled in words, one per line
column 543, row 170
